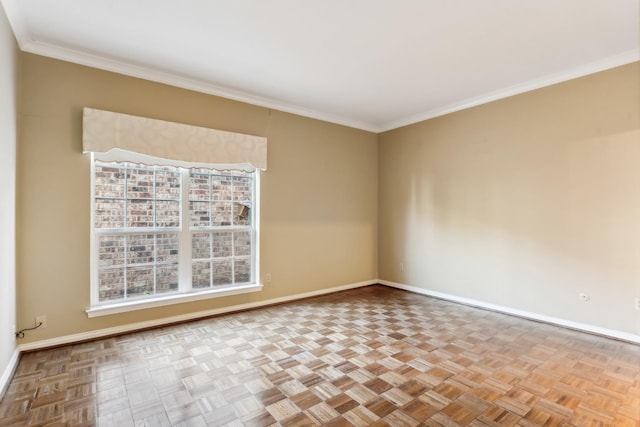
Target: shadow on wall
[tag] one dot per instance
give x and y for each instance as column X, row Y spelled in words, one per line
column 528, row 223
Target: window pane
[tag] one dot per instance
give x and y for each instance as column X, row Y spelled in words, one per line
column 201, row 274
column 230, row 197
column 242, row 243
column 221, row 187
column 140, row 213
column 167, row 248
column 140, row 249
column 139, row 281
column 199, row 186
column 110, row 251
column 201, row 246
column 168, row 214
column 140, row 183
column 222, row 244
column 242, row 188
column 243, row 198
column 199, row 213
column 109, row 213
column 166, row 279
column 222, row 272
column 111, row 284
column 109, row 182
column 242, row 270
column 168, row 184
column 221, row 214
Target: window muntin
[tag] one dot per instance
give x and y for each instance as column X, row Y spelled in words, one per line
column 162, row 230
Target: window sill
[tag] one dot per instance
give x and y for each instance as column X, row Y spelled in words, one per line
column 123, row 307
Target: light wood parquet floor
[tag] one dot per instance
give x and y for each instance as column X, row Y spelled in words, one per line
column 373, row 356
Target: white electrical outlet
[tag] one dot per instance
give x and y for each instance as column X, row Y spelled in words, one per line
column 584, row 297
column 636, row 303
column 41, row 319
column 267, row 277
column 402, row 266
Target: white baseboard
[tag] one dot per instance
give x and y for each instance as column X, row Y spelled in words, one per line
column 7, row 375
column 611, row 333
column 100, row 333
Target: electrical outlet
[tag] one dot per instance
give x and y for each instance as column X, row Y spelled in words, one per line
column 584, row 297
column 267, row 277
column 636, row 303
column 41, row 319
column 402, row 266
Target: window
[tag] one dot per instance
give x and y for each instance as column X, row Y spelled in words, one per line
column 165, row 230
column 174, row 211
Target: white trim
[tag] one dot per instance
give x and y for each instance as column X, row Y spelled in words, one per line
column 120, row 155
column 185, row 262
column 27, row 44
column 255, row 220
column 7, row 375
column 16, row 21
column 100, row 333
column 94, row 296
column 611, row 333
column 123, row 307
column 171, row 79
column 548, row 80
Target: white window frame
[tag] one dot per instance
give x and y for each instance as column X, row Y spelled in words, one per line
column 185, row 293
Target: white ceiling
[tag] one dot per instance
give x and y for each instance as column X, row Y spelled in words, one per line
column 369, row 64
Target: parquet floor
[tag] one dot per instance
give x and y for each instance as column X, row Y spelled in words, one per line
column 368, row 357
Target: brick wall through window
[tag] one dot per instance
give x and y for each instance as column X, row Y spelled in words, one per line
column 157, row 225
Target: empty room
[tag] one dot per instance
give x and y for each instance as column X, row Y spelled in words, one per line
column 320, row 213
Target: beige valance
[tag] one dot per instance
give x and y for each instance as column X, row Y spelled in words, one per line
column 105, row 131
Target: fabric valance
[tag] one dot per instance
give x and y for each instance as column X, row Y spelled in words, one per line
column 104, row 131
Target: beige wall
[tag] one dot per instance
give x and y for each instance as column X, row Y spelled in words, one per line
column 319, row 194
column 524, row 202
column 8, row 143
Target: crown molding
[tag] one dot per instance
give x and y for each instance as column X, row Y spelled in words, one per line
column 159, row 76
column 548, row 80
column 171, row 79
column 27, row 44
column 15, row 20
